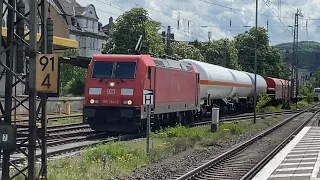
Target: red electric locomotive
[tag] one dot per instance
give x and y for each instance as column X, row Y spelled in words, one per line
column 115, row 86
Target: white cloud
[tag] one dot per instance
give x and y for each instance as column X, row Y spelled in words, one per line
column 215, row 16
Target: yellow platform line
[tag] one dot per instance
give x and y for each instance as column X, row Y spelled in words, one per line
column 57, row 41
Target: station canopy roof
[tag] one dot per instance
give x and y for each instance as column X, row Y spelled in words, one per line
column 59, row 43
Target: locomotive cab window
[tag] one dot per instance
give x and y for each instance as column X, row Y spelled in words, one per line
column 125, row 70
column 102, row 69
column 122, row 70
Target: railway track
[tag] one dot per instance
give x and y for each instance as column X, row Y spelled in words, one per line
column 52, row 118
column 246, row 117
column 67, row 138
column 70, row 127
column 246, row 159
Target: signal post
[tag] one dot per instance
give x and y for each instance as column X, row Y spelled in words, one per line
column 36, row 71
column 147, row 103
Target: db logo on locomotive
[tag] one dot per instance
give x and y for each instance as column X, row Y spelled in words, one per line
column 111, row 91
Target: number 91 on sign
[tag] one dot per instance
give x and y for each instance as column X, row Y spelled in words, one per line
column 47, row 73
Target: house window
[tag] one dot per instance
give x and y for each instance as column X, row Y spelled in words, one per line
column 97, row 44
column 87, row 22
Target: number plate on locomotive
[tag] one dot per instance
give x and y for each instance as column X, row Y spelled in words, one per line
column 110, row 102
column 111, row 91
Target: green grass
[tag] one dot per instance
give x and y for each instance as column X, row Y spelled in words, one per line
column 302, row 105
column 125, row 157
column 273, row 108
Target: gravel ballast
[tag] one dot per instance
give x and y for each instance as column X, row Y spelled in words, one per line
column 183, row 161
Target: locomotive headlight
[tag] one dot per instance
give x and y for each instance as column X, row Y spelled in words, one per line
column 91, row 101
column 111, row 84
column 129, row 102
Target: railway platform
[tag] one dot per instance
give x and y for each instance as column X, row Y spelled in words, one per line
column 298, row 160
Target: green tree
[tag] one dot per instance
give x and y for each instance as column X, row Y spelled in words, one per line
column 72, row 78
column 306, row 91
column 269, row 59
column 125, row 33
column 274, row 65
column 315, row 79
column 216, row 52
column 182, row 50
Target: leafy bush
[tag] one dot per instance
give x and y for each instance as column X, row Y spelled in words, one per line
column 263, row 100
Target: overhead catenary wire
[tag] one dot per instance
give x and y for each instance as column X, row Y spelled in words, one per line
column 193, row 23
column 278, row 18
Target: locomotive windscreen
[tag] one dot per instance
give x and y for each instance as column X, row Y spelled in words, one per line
column 121, row 70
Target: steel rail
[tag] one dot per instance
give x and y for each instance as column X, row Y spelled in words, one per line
column 238, row 148
column 266, row 159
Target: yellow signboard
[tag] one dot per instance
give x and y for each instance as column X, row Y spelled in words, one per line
column 47, row 73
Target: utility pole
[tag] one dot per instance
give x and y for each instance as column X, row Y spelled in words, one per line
column 255, row 66
column 224, row 64
column 169, row 38
column 209, row 35
column 286, row 101
column 295, row 51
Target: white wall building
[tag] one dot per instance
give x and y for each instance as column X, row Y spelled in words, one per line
column 84, row 27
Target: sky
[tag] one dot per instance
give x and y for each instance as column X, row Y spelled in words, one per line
column 214, row 16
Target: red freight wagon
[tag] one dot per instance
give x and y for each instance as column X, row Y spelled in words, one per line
column 274, row 85
column 284, row 88
column 115, row 88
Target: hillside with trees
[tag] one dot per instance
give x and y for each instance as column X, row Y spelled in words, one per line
column 309, row 54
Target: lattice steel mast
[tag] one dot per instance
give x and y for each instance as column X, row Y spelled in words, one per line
column 286, row 100
column 294, row 70
column 24, row 69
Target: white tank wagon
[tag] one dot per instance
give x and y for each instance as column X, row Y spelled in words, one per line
column 261, row 84
column 216, row 82
column 225, row 88
column 242, row 84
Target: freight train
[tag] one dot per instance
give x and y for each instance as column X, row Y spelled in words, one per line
column 182, row 91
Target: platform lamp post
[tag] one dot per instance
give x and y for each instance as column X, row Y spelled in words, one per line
column 255, row 66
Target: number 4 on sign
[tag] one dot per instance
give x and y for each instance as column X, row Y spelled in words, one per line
column 47, row 73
